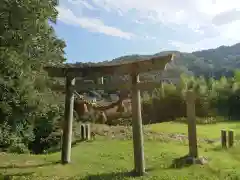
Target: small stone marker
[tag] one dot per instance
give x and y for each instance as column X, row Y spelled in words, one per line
column 224, row 138
column 230, row 138
column 85, row 131
column 88, row 132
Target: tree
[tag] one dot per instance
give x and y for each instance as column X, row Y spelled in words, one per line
column 27, row 43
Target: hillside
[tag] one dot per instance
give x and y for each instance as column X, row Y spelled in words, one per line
column 211, row 63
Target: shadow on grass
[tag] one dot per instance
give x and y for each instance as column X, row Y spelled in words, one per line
column 181, row 162
column 114, row 175
column 11, row 176
column 109, row 176
column 218, row 148
column 74, row 144
column 14, row 166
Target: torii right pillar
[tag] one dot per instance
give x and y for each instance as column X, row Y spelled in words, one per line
column 191, row 118
column 139, row 164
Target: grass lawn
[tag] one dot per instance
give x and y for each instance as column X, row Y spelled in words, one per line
column 210, row 131
column 113, row 159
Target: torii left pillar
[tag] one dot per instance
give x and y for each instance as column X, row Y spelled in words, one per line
column 68, row 120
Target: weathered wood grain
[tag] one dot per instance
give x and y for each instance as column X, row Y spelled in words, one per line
column 111, row 86
column 152, row 64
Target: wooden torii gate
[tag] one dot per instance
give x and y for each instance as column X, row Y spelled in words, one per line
column 133, row 69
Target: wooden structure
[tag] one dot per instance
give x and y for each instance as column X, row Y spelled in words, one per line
column 227, row 138
column 224, row 138
column 133, row 69
column 230, row 138
column 191, row 118
column 85, row 132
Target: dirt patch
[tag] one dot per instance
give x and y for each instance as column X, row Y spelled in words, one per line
column 125, row 132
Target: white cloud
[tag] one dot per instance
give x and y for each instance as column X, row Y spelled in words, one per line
column 212, row 22
column 173, row 11
column 207, row 43
column 228, row 35
column 226, row 17
column 138, row 21
column 147, row 37
column 215, row 21
column 92, row 24
column 82, row 3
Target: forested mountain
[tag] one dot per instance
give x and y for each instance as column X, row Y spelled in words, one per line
column 218, row 62
column 211, row 63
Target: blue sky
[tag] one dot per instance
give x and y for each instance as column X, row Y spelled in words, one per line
column 98, row 30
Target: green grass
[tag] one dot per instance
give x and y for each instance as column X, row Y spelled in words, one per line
column 210, row 131
column 113, row 159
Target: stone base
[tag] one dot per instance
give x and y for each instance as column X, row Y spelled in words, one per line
column 137, row 174
column 187, row 161
column 193, row 160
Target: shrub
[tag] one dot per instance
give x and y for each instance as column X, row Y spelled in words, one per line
column 213, row 98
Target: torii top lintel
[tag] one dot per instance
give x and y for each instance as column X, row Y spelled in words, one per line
column 141, row 66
